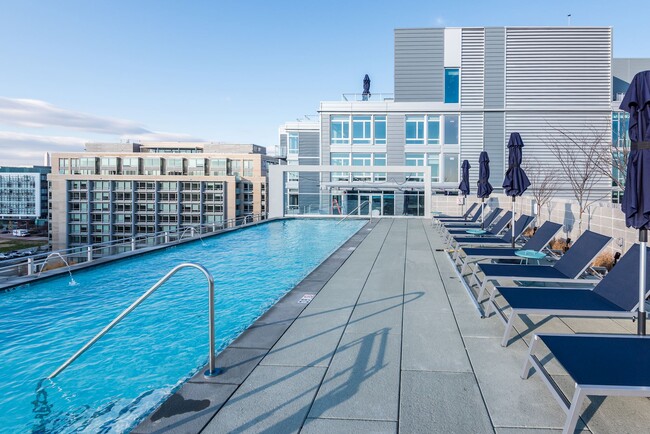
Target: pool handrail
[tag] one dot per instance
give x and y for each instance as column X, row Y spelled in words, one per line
column 359, row 206
column 212, row 370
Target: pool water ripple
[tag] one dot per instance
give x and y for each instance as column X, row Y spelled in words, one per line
column 159, row 345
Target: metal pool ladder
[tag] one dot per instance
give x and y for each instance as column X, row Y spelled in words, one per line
column 212, row 370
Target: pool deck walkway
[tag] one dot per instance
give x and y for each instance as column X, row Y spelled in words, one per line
column 389, row 343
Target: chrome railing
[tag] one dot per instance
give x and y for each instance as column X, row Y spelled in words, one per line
column 212, row 370
column 365, row 202
column 36, row 264
column 371, row 97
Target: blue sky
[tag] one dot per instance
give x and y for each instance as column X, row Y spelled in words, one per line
column 233, row 71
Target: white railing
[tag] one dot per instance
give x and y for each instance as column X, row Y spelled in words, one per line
column 371, row 97
column 46, row 261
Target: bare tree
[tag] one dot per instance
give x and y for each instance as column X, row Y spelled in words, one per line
column 580, row 156
column 543, row 183
column 612, row 165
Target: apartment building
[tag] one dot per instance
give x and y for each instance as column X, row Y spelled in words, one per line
column 299, row 145
column 115, row 191
column 460, row 91
column 23, row 193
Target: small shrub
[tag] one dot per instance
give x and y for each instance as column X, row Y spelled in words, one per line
column 529, row 232
column 559, row 244
column 604, row 259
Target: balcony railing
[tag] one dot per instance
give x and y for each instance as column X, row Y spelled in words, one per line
column 372, row 97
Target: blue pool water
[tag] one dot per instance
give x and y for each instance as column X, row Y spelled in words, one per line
column 158, row 346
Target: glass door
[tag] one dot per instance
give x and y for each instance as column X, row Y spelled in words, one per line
column 375, row 204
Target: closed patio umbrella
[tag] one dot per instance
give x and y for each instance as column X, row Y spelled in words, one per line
column 464, row 181
column 484, row 189
column 366, row 88
column 636, row 197
column 515, row 182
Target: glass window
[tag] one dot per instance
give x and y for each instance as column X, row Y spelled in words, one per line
column 433, row 130
column 174, row 166
column 196, row 162
column 451, row 129
column 415, row 130
column 218, row 166
column 451, row 167
column 340, row 130
column 414, row 160
column 248, row 167
column 433, row 161
column 362, row 160
column 452, row 85
column 340, row 159
column 380, row 130
column 362, row 130
column 109, row 161
column 235, row 167
column 380, row 160
column 292, row 176
column 293, row 143
column 63, row 166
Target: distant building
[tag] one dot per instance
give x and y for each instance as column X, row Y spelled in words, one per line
column 23, row 193
column 115, row 191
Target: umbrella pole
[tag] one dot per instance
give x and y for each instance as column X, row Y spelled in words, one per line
column 482, row 212
column 512, row 224
column 643, row 240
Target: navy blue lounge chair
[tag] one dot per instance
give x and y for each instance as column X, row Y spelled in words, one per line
column 599, row 365
column 537, row 242
column 442, row 221
column 459, row 217
column 494, row 230
column 520, row 226
column 617, row 295
column 570, row 266
column 454, row 227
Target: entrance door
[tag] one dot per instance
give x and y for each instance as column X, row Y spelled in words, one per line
column 375, row 204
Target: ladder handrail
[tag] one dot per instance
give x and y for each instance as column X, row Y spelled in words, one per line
column 358, row 206
column 212, row 369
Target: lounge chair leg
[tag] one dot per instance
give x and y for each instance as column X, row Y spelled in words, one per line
column 573, row 413
column 491, row 304
column 474, row 279
column 463, row 267
column 527, row 363
column 482, row 291
column 506, row 334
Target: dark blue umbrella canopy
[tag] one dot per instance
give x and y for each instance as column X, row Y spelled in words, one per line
column 484, row 188
column 515, row 182
column 464, row 182
column 636, row 198
column 366, row 84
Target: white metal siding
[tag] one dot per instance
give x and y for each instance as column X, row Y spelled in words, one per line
column 419, row 64
column 472, row 68
column 558, row 67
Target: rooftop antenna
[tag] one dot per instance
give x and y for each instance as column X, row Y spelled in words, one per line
column 569, row 19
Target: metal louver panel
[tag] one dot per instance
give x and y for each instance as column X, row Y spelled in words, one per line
column 562, row 67
column 472, row 68
column 471, row 138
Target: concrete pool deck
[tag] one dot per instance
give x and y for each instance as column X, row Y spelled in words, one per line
column 389, row 343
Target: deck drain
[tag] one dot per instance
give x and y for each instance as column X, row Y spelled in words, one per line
column 305, row 299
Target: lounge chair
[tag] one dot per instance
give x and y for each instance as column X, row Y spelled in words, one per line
column 617, row 295
column 467, row 225
column 537, row 242
column 599, row 365
column 457, row 217
column 442, row 220
column 520, row 226
column 570, row 266
column 494, row 230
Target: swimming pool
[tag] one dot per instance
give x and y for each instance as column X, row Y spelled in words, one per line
column 160, row 344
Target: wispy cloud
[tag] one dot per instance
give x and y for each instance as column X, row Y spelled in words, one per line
column 440, row 21
column 24, row 148
column 19, row 148
column 33, row 113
